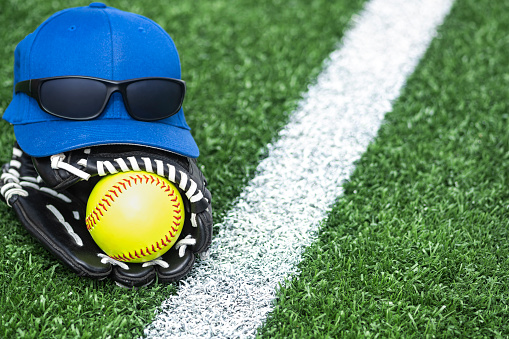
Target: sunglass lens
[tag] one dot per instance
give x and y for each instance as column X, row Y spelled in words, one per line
column 73, row 98
column 154, row 99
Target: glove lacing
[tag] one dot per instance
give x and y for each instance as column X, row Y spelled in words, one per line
column 57, row 162
column 14, row 186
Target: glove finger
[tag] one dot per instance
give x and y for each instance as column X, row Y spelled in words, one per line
column 207, row 195
column 202, row 232
column 178, row 267
column 135, row 276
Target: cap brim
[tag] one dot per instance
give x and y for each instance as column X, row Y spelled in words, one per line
column 51, row 137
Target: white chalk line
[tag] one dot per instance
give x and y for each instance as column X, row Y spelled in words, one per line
column 261, row 240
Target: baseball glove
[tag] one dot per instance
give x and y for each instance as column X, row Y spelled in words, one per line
column 49, row 196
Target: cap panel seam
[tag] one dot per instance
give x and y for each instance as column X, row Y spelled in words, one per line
column 112, row 75
column 112, row 49
column 166, row 35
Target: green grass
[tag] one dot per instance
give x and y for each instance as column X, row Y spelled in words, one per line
column 418, row 245
column 245, row 64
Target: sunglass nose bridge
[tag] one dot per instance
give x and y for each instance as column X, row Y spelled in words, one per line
column 115, row 107
column 114, row 87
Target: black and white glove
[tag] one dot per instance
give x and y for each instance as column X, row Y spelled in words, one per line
column 49, row 196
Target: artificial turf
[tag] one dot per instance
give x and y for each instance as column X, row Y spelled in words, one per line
column 245, row 63
column 418, row 244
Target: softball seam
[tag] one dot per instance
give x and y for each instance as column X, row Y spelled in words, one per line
column 95, row 216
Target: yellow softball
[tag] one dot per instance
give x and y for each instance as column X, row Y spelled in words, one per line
column 135, row 216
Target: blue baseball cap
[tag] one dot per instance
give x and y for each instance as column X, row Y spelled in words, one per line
column 103, row 42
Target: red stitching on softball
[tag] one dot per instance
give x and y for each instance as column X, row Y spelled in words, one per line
column 93, row 217
column 164, row 244
column 89, row 224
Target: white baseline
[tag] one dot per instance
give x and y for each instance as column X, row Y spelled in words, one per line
column 261, row 240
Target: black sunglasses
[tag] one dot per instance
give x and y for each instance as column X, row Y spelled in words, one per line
column 84, row 98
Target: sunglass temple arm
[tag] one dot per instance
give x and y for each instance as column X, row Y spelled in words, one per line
column 24, row 86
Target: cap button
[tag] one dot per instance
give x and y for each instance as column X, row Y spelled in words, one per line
column 97, row 5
